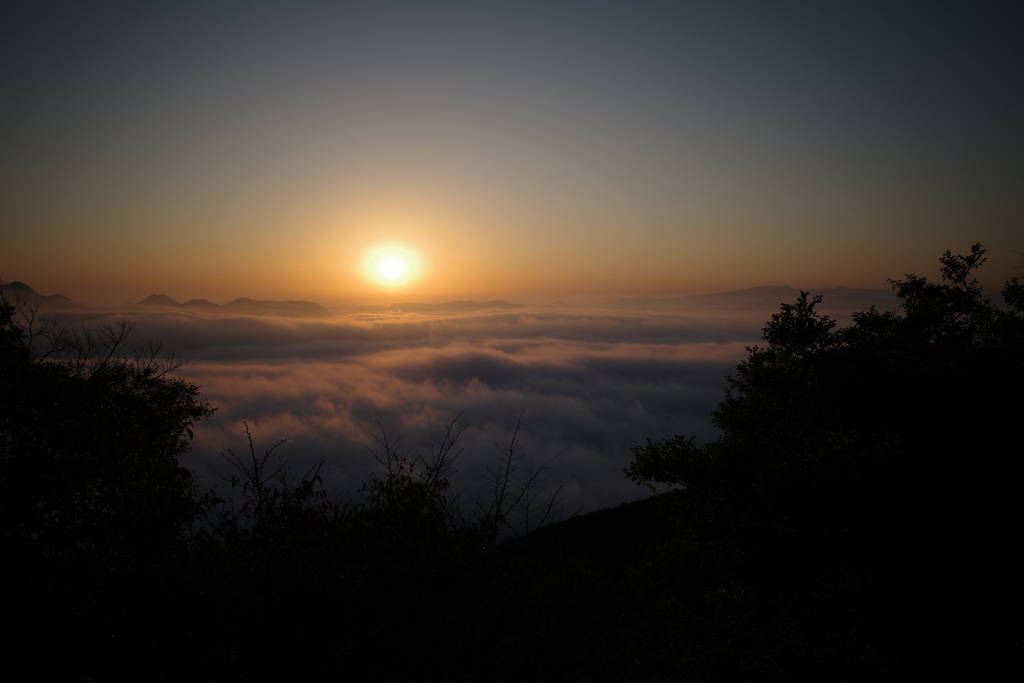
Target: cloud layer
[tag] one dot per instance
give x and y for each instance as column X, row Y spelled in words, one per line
column 590, row 384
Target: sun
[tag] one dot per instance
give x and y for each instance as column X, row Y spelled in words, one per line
column 391, row 265
column 392, row 268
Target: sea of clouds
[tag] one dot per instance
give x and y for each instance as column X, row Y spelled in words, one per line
column 590, row 383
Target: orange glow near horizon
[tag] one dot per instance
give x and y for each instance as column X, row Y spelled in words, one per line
column 382, row 155
column 392, row 266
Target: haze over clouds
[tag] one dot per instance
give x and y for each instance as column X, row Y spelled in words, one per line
column 593, row 382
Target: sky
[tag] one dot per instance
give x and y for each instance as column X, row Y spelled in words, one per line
column 529, row 151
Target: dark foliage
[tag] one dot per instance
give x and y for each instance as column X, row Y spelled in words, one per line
column 94, row 500
column 399, row 585
column 858, row 516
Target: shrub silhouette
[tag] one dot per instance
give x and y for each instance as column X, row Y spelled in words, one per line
column 857, row 515
column 404, row 562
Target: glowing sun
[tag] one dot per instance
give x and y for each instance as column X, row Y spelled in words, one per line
column 391, row 265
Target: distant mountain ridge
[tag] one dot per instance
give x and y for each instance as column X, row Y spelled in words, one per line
column 308, row 309
column 246, row 306
column 13, row 290
column 772, row 296
column 451, row 306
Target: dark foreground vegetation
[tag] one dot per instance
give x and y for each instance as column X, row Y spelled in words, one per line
column 858, row 519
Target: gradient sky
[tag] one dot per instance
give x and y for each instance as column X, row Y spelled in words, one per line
column 521, row 150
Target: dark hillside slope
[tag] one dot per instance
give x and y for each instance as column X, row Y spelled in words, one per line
column 612, row 538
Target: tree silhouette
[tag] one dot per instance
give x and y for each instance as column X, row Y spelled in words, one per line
column 856, row 516
column 94, row 499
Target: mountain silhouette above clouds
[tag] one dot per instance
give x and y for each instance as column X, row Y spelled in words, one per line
column 770, row 296
column 19, row 290
column 245, row 306
column 452, row 306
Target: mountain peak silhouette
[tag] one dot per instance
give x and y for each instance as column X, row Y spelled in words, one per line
column 159, row 300
column 17, row 289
